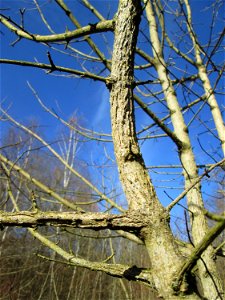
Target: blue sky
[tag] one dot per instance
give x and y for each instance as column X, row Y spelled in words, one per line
column 89, row 99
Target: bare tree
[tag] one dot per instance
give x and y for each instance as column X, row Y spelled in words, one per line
column 176, row 82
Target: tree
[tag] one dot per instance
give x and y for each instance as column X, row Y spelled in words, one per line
column 183, row 77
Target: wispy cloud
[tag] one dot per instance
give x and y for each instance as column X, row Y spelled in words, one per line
column 101, row 118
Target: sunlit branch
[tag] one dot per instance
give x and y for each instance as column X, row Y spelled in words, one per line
column 193, row 34
column 177, row 166
column 67, row 36
column 76, row 173
column 144, row 55
column 196, row 181
column 218, row 43
column 215, row 217
column 160, row 13
column 85, row 220
column 93, row 10
column 72, row 18
column 116, row 270
column 43, row 17
column 210, row 236
column 215, row 110
column 160, row 123
column 220, row 250
column 38, row 183
column 170, row 43
column 79, row 54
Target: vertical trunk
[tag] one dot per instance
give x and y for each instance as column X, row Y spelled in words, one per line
column 140, row 193
column 133, row 174
column 207, row 269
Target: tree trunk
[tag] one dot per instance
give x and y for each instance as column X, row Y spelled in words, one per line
column 140, row 193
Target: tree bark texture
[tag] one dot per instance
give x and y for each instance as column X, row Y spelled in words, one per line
column 137, row 185
column 138, row 188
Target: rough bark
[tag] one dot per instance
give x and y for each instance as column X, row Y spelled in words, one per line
column 96, row 221
column 139, row 191
column 133, row 174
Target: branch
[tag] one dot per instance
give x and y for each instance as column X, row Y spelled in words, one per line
column 104, row 26
column 94, row 77
column 92, row 135
column 215, row 217
column 159, row 122
column 116, row 270
column 95, row 221
column 49, row 67
column 39, row 184
column 166, row 36
column 72, row 18
column 184, row 193
column 72, row 170
column 197, row 252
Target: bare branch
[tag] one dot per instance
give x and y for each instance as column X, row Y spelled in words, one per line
column 76, row 173
column 39, row 184
column 96, row 221
column 116, row 270
column 210, row 236
column 50, row 68
column 196, row 181
column 67, row 36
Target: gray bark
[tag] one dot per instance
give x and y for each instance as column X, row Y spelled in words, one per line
column 138, row 188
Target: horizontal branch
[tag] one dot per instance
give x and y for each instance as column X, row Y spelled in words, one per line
column 52, row 68
column 96, row 221
column 67, row 36
column 215, row 217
